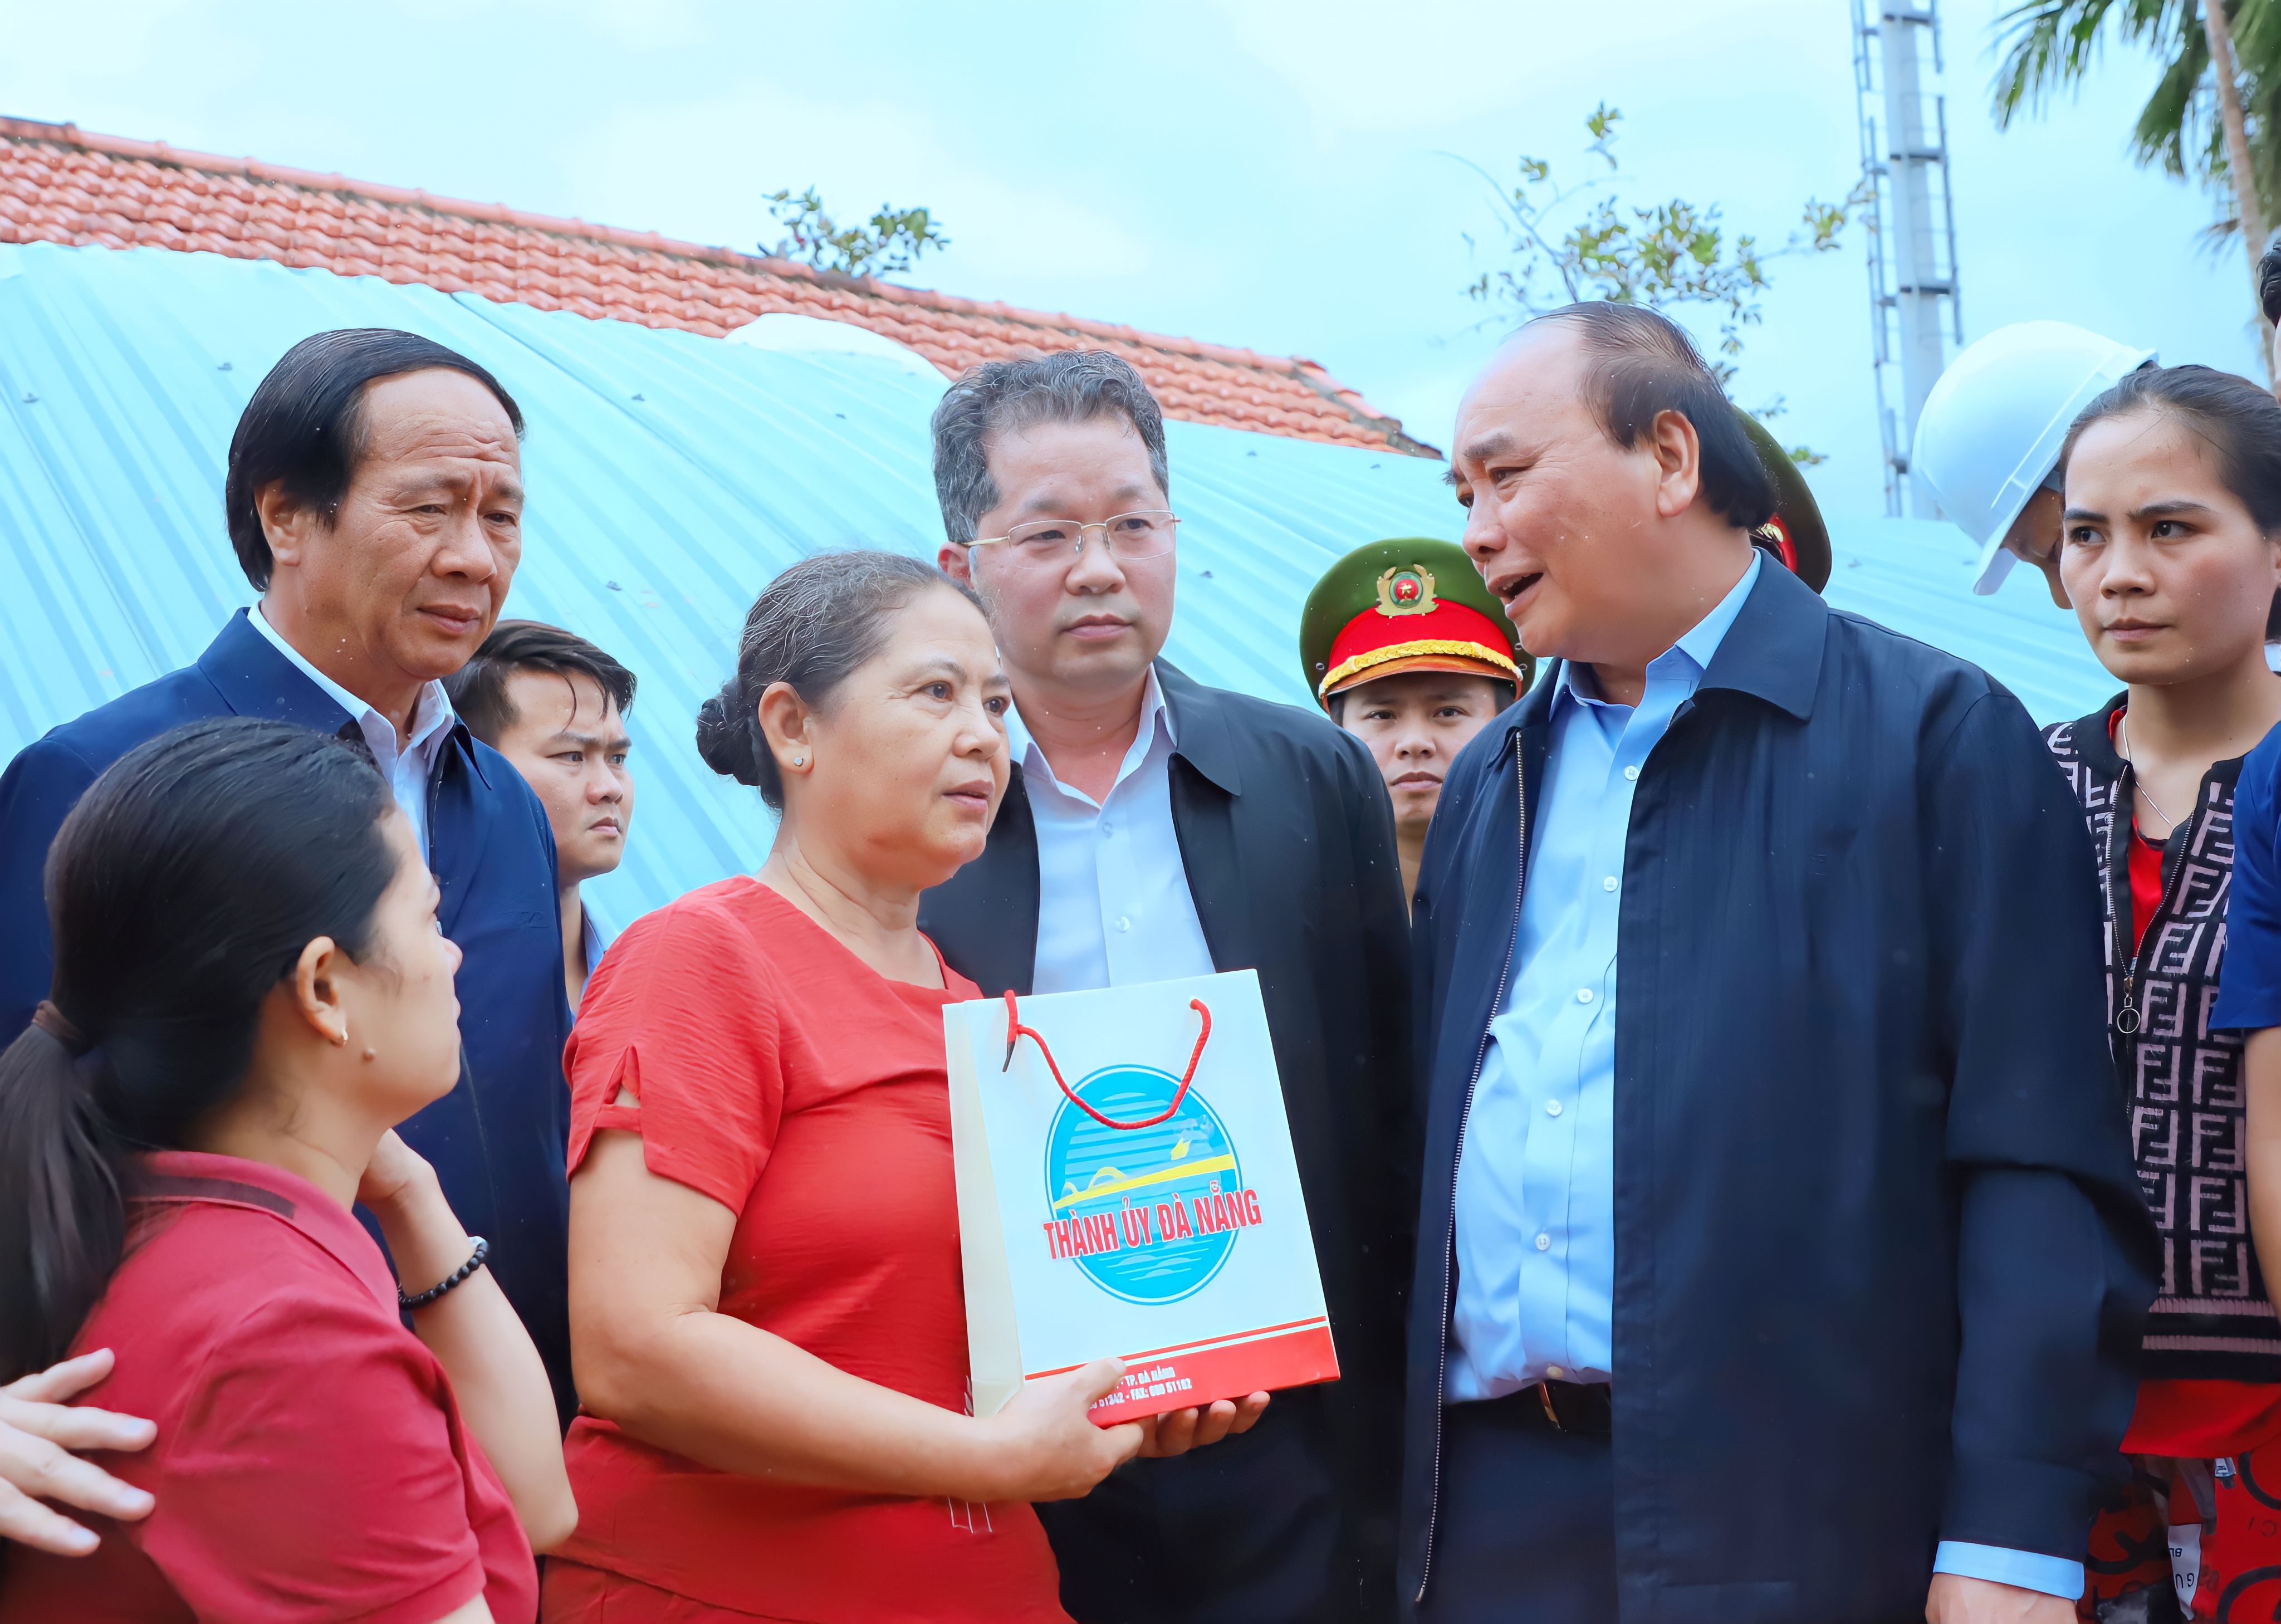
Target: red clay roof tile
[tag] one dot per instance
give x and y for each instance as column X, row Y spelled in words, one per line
column 58, row 184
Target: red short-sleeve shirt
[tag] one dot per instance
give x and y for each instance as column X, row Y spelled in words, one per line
column 311, row 1464
column 781, row 1076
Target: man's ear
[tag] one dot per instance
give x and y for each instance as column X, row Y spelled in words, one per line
column 1678, row 454
column 317, row 991
column 287, row 522
column 952, row 561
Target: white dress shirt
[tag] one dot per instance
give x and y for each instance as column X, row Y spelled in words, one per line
column 407, row 770
column 1113, row 903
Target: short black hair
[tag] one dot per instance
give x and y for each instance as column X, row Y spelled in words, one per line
column 1064, row 386
column 303, row 426
column 2268, row 279
column 1643, row 364
column 478, row 688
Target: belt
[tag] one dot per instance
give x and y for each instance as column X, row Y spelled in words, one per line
column 1554, row 1406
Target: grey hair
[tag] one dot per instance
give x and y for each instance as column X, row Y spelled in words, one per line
column 1065, row 386
column 815, row 623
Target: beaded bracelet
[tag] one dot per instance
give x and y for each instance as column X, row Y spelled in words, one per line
column 482, row 1250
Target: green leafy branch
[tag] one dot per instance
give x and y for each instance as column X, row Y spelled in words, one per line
column 888, row 243
column 1582, row 241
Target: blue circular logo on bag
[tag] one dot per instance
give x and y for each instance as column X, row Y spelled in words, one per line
column 1131, row 1195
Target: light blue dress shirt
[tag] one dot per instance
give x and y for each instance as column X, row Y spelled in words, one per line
column 1535, row 1202
column 1113, row 904
column 408, row 770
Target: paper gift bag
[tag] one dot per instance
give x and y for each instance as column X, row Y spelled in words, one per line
column 1126, row 1186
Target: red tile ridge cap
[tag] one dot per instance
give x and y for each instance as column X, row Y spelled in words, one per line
column 500, row 214
column 1309, row 373
column 311, row 180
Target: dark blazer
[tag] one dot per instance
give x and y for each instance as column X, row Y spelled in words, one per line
column 1287, row 839
column 496, row 1139
column 1880, row 1258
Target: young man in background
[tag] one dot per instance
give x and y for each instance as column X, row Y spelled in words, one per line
column 555, row 706
column 1407, row 651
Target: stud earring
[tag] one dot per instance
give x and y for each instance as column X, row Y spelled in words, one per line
column 799, row 760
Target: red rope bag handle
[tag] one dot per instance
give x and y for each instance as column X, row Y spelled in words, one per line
column 1016, row 1031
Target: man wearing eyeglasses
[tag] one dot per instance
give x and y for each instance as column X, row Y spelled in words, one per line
column 1160, row 828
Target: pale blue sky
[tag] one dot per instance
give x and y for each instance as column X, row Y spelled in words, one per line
column 1267, row 172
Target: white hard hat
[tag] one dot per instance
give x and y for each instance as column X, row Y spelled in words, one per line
column 1990, row 431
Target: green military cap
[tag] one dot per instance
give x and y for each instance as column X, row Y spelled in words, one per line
column 1796, row 534
column 1406, row 605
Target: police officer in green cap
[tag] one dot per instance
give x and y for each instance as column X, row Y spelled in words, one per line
column 1409, row 651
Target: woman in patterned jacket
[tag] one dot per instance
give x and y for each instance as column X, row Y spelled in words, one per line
column 2171, row 555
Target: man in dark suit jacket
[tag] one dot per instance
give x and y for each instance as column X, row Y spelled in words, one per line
column 1158, row 828
column 1780, row 1256
column 375, row 499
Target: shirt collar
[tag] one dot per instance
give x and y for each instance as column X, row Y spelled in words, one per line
column 431, row 714
column 1688, row 659
column 1154, row 715
column 196, row 1177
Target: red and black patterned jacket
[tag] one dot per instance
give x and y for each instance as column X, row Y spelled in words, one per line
column 2212, row 1320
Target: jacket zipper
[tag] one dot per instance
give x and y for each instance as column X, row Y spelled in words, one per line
column 2127, row 1020
column 1464, row 1110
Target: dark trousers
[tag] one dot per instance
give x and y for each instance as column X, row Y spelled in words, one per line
column 1247, row 1531
column 1526, row 1526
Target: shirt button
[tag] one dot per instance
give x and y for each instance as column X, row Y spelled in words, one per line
column 1553, row 1107
column 1555, row 1372
column 1632, row 773
column 1608, row 884
column 1123, row 922
column 1545, row 1244
column 1107, row 828
column 1583, row 994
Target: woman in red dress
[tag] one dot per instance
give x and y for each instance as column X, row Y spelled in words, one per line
column 250, row 991
column 766, row 1320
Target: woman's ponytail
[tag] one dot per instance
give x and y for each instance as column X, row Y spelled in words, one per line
column 63, row 1195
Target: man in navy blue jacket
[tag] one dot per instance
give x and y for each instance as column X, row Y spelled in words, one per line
column 375, row 500
column 1780, row 1255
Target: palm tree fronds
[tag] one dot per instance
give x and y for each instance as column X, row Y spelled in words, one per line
column 2048, row 45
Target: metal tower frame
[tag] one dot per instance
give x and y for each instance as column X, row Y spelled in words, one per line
column 1912, row 232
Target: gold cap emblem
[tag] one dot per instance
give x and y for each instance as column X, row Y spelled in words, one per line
column 1406, row 590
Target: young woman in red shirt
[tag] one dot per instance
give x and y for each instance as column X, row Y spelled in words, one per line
column 2171, row 556
column 766, row 1313
column 250, row 991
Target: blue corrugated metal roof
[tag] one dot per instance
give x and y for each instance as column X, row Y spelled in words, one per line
column 671, row 476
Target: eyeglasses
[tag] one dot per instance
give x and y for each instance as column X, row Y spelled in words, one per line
column 1129, row 537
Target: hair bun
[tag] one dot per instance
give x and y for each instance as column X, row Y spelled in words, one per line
column 724, row 738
